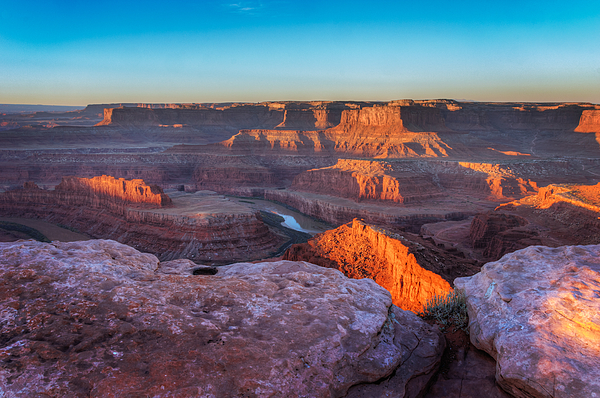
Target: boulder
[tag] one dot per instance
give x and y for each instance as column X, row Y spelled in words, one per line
column 537, row 312
column 98, row 318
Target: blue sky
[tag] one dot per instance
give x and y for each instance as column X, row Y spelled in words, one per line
column 75, row 53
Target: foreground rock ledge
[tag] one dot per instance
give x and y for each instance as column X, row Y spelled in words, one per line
column 98, row 318
column 537, row 312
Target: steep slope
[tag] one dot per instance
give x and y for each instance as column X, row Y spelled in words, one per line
column 360, row 251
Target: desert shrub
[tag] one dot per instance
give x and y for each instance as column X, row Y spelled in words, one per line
column 449, row 310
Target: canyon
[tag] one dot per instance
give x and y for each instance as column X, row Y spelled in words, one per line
column 415, row 193
column 202, row 226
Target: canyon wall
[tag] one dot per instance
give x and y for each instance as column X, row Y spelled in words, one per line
column 396, row 116
column 131, row 191
column 557, row 215
column 243, row 116
column 366, row 180
column 361, row 251
column 168, row 232
column 501, row 233
column 341, row 211
column 589, row 122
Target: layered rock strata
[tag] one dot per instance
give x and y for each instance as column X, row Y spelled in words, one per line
column 366, row 180
column 559, row 214
column 98, row 318
column 200, row 227
column 360, row 251
column 589, row 121
column 130, row 191
column 336, row 211
column 536, row 312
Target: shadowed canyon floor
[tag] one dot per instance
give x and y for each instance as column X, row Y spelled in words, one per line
column 411, row 194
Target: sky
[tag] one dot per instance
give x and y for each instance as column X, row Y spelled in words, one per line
column 82, row 52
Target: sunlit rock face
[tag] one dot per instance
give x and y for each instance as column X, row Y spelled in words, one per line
column 537, row 312
column 360, row 251
column 98, row 319
column 133, row 191
column 589, row 122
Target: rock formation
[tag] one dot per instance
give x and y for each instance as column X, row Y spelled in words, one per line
column 97, row 318
column 360, row 251
column 536, row 312
column 367, row 180
column 559, row 214
column 589, row 122
column 200, row 227
column 131, row 191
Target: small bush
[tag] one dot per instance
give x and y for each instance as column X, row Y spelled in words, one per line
column 449, row 310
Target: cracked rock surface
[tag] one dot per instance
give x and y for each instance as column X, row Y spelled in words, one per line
column 537, row 312
column 98, row 318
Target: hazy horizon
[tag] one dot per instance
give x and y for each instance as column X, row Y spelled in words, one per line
column 75, row 54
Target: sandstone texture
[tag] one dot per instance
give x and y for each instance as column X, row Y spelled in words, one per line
column 361, row 251
column 133, row 191
column 98, row 318
column 536, row 311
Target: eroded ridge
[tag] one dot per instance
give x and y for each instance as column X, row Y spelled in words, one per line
column 361, row 251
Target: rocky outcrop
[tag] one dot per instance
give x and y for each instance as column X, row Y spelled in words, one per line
column 536, row 312
column 367, row 180
column 360, row 251
column 202, row 228
column 589, row 121
column 404, row 115
column 131, row 191
column 97, row 318
column 583, row 196
column 498, row 182
column 382, row 142
column 224, row 179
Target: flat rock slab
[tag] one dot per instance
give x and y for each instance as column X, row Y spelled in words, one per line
column 98, row 318
column 537, row 312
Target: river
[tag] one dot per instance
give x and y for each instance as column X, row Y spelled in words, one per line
column 293, row 219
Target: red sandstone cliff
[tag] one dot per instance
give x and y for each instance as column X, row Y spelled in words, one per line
column 589, row 122
column 360, row 251
column 132, row 191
